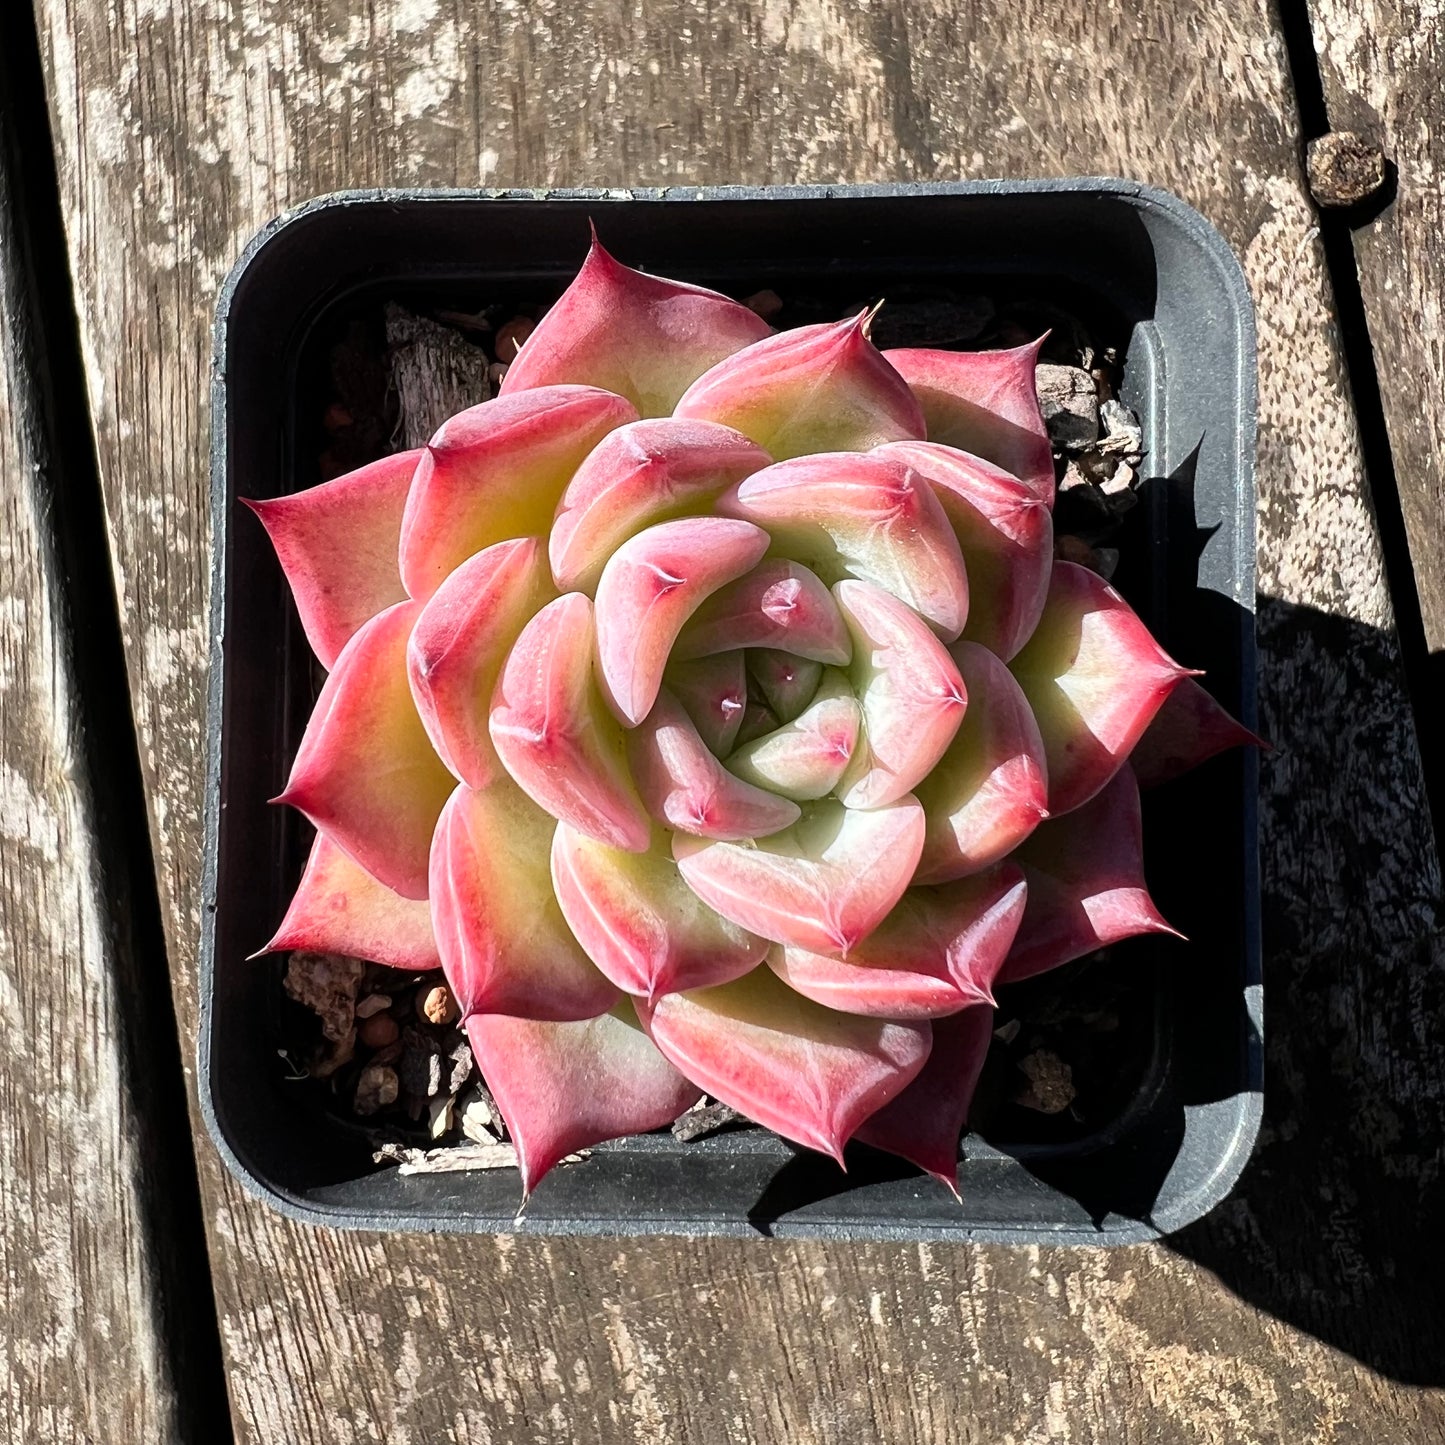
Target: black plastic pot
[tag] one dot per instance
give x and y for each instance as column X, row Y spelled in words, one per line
column 1182, row 1130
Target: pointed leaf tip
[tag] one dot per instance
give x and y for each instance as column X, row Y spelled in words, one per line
column 1085, row 873
column 924, row 1122
column 938, row 951
column 809, row 1073
column 820, row 388
column 338, row 907
column 337, row 544
column 641, row 336
column 365, row 773
column 1094, row 679
column 562, row 1087
column 1189, row 729
column 986, row 403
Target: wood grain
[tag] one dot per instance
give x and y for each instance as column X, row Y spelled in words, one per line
column 1382, row 63
column 182, row 127
column 84, row 1347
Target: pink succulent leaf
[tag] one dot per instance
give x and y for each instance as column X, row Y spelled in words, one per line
column 640, row 336
column 684, row 786
column 868, row 516
column 758, row 721
column 504, row 944
column 714, row 692
column 1005, row 533
column 985, row 402
column 337, row 546
column 990, row 788
column 462, row 638
column 813, row 389
column 806, row 758
column 910, row 690
column 937, row 952
column 650, row 587
column 562, row 1087
column 824, row 884
column 497, row 471
column 924, row 1122
column 786, row 682
column 338, row 907
column 808, row 1072
column 1189, row 729
column 555, row 735
column 1094, row 679
column 779, row 604
column 643, row 473
column 639, row 921
column 365, row 773
column 1086, row 882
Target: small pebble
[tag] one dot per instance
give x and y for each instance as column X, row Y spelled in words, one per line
column 497, row 373
column 437, row 1005
column 388, row 1054
column 440, row 1117
column 1122, row 432
column 1050, row 1086
column 337, row 418
column 1069, row 401
column 379, row 1031
column 1343, row 169
column 373, row 1003
column 377, row 1087
column 511, row 336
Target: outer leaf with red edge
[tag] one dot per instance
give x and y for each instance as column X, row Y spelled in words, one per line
column 938, row 951
column 813, row 389
column 685, row 787
column 779, row 604
column 984, row 402
column 651, row 585
column 640, row 336
column 639, row 921
column 460, row 642
column 503, row 941
column 809, row 1073
column 1094, row 679
column 555, row 735
column 641, row 474
column 1086, row 882
column 1005, row 534
column 1188, row 730
column 497, row 471
column 990, row 790
column 909, row 688
column 365, row 773
column 824, row 884
column 924, row 1122
column 337, row 545
column 565, row 1086
column 338, row 907
column 873, row 517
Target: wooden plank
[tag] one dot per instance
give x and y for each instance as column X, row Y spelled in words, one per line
column 93, row 1344
column 1383, row 67
column 182, row 127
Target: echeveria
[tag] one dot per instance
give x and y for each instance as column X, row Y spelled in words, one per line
column 711, row 706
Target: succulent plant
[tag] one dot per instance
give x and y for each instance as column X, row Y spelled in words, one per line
column 710, row 706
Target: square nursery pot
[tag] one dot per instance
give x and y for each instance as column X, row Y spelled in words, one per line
column 1168, row 1033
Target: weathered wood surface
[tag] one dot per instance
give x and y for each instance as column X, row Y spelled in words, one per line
column 1383, row 67
column 1305, row 1309
column 90, row 1320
